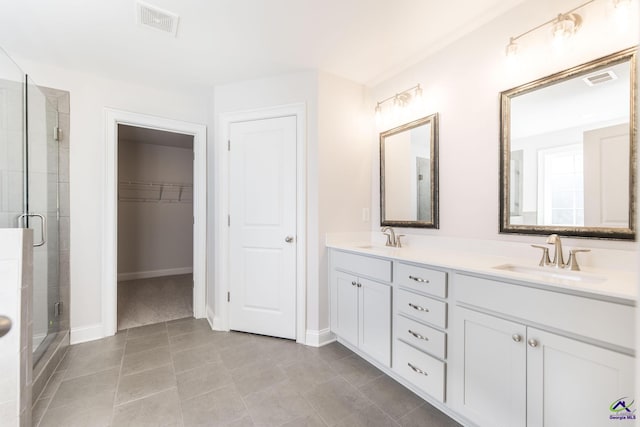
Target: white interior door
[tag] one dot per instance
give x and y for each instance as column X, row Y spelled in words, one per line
column 606, row 176
column 262, row 207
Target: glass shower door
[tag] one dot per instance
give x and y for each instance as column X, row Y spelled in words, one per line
column 41, row 213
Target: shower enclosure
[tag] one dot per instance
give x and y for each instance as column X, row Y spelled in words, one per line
column 30, row 197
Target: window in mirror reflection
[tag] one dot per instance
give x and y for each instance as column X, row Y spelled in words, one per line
column 570, row 151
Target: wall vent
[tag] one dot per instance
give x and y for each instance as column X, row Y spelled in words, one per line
column 601, row 77
column 150, row 16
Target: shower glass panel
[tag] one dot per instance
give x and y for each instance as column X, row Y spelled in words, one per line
column 41, row 214
column 12, row 138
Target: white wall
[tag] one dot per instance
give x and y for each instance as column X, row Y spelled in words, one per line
column 154, row 238
column 344, row 171
column 463, row 82
column 89, row 95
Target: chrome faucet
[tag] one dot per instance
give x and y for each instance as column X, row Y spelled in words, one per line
column 393, row 239
column 391, row 236
column 558, row 259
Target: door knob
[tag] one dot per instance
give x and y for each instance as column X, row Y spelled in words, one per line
column 288, row 239
column 5, row 325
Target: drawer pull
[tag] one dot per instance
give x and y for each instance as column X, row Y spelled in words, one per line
column 417, row 370
column 418, row 279
column 420, row 337
column 417, row 307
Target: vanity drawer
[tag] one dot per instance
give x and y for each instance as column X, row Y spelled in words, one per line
column 366, row 266
column 421, row 336
column 423, row 308
column 420, row 369
column 421, row 279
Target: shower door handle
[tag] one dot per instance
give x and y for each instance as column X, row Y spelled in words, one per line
column 5, row 325
column 43, row 226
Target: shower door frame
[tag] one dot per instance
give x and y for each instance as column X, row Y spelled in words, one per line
column 113, row 118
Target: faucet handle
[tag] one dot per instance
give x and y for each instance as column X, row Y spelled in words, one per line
column 398, row 242
column 573, row 259
column 545, row 260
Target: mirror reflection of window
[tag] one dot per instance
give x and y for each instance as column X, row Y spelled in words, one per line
column 561, row 190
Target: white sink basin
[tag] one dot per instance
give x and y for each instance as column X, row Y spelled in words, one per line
column 376, row 248
column 552, row 273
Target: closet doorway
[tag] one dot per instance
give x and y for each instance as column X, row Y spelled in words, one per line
column 155, row 226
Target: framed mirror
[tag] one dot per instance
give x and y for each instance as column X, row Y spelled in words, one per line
column 409, row 174
column 568, row 152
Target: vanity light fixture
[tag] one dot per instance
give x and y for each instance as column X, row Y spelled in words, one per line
column 401, row 100
column 564, row 26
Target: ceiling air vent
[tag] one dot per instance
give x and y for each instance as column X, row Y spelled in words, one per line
column 150, row 16
column 598, row 78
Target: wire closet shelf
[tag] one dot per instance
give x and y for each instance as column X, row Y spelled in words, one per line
column 155, row 192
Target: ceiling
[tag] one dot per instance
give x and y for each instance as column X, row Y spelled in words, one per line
column 219, row 41
column 154, row 136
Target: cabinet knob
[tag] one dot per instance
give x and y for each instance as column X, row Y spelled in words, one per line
column 353, row 283
column 533, row 343
column 359, row 285
column 288, row 239
column 516, row 337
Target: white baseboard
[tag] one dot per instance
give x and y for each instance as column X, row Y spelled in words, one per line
column 218, row 324
column 86, row 333
column 319, row 338
column 154, row 273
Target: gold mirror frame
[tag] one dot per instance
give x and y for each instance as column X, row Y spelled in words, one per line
column 433, row 169
column 620, row 233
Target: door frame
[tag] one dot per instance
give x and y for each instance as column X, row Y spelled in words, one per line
column 110, row 246
column 220, row 319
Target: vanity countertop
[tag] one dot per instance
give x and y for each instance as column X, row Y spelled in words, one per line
column 609, row 285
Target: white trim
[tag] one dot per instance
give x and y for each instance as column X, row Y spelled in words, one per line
column 109, row 250
column 320, row 338
column 86, row 333
column 154, row 273
column 210, row 317
column 221, row 320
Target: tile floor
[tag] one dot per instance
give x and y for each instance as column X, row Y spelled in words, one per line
column 158, row 299
column 180, row 373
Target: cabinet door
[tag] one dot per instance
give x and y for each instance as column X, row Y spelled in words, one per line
column 375, row 320
column 493, row 360
column 345, row 306
column 571, row 383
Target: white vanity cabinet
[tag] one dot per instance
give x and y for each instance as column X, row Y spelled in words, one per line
column 360, row 304
column 510, row 371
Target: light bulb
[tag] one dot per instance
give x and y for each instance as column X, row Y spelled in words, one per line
column 621, row 13
column 564, row 27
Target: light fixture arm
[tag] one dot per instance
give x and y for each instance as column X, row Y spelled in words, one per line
column 550, row 21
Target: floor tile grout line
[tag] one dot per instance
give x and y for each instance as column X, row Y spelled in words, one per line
column 173, row 364
column 115, row 395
